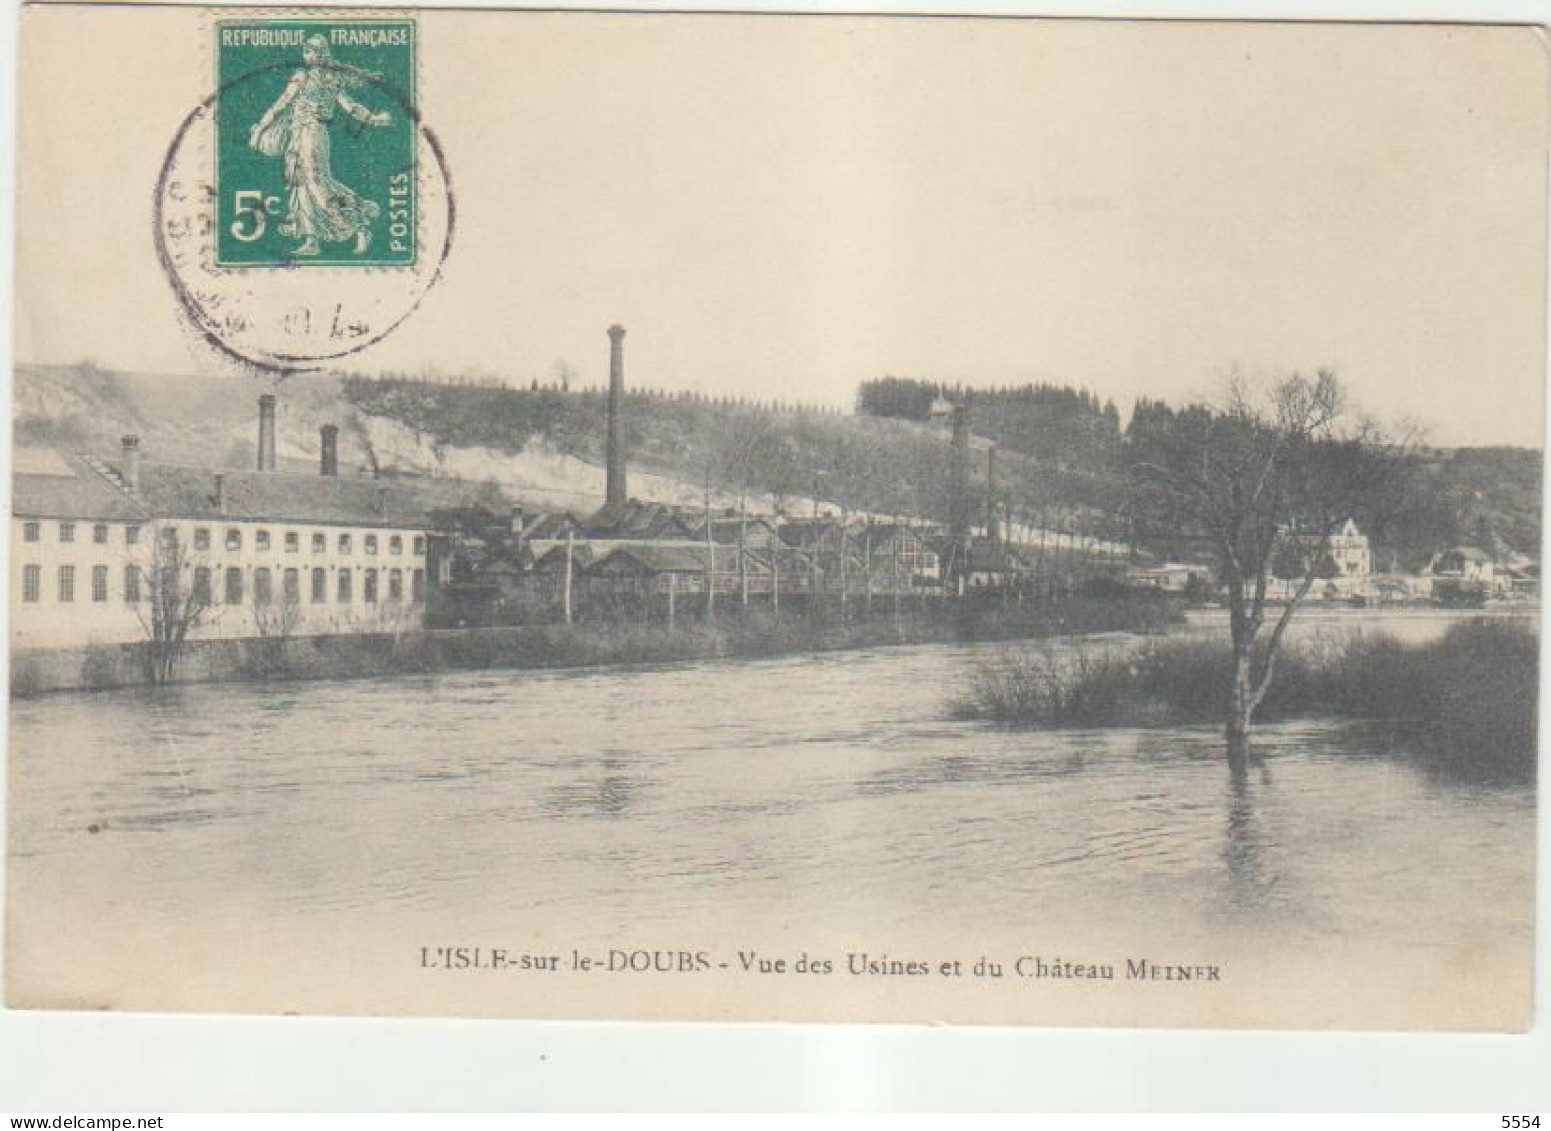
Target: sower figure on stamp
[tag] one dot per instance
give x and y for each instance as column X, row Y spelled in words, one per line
column 320, row 208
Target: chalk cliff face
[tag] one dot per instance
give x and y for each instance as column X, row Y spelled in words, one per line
column 539, row 475
column 179, row 418
column 213, row 422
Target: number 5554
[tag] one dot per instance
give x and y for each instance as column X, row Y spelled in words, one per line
column 1516, row 1122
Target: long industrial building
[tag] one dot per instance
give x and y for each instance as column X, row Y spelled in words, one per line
column 252, row 550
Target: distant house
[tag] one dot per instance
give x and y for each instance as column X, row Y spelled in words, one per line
column 1170, row 577
column 761, row 540
column 551, row 526
column 821, row 533
column 677, row 567
column 1522, row 579
column 749, row 531
column 1400, row 587
column 1350, row 552
column 637, row 521
column 994, row 565
column 549, row 557
column 1344, row 568
column 900, row 557
column 480, row 561
column 1465, row 564
column 834, row 550
column 1347, row 554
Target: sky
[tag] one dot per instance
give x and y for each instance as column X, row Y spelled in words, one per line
column 782, row 207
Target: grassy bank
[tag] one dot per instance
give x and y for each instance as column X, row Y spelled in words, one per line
column 1471, row 694
column 734, row 633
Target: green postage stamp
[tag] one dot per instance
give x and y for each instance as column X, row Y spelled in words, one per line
column 315, row 143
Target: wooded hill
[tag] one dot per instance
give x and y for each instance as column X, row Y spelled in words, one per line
column 1060, row 459
column 1484, row 497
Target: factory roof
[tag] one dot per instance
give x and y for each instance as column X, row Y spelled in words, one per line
column 85, row 487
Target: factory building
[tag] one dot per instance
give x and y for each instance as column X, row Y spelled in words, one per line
column 255, row 551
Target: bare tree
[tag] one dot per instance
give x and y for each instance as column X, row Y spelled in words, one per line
column 171, row 597
column 276, row 618
column 1265, row 466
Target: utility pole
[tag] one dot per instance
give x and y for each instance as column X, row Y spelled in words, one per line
column 992, row 533
column 710, row 581
column 843, row 524
column 867, row 558
column 743, row 555
column 568, row 552
column 899, row 567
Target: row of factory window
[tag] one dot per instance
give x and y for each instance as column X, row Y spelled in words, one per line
column 232, row 539
column 233, row 584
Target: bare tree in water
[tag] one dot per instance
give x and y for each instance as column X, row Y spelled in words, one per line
column 1266, row 469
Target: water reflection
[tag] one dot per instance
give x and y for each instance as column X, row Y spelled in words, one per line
column 1243, row 855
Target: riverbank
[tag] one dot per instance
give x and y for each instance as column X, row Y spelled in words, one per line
column 734, row 634
column 1469, row 696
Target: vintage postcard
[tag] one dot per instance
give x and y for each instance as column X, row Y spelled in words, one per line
column 776, row 518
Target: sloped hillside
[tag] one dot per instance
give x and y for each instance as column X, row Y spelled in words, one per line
column 544, row 447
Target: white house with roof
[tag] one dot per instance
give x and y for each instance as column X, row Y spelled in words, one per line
column 1350, row 552
column 1344, row 571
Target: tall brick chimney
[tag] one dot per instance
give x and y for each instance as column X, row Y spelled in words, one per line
column 266, row 443
column 617, row 494
column 329, row 462
column 129, row 464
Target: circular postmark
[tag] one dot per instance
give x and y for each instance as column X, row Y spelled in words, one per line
column 333, row 291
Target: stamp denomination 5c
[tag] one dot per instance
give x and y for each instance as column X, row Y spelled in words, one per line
column 316, row 143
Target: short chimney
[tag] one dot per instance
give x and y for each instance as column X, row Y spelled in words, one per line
column 616, row 423
column 519, row 521
column 220, row 492
column 382, row 500
column 329, row 461
column 129, row 469
column 266, row 437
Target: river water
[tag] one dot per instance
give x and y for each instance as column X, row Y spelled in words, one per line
column 296, row 846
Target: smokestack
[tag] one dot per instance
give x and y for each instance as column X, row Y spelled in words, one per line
column 129, row 470
column 616, row 443
column 220, row 492
column 329, row 462
column 266, row 443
